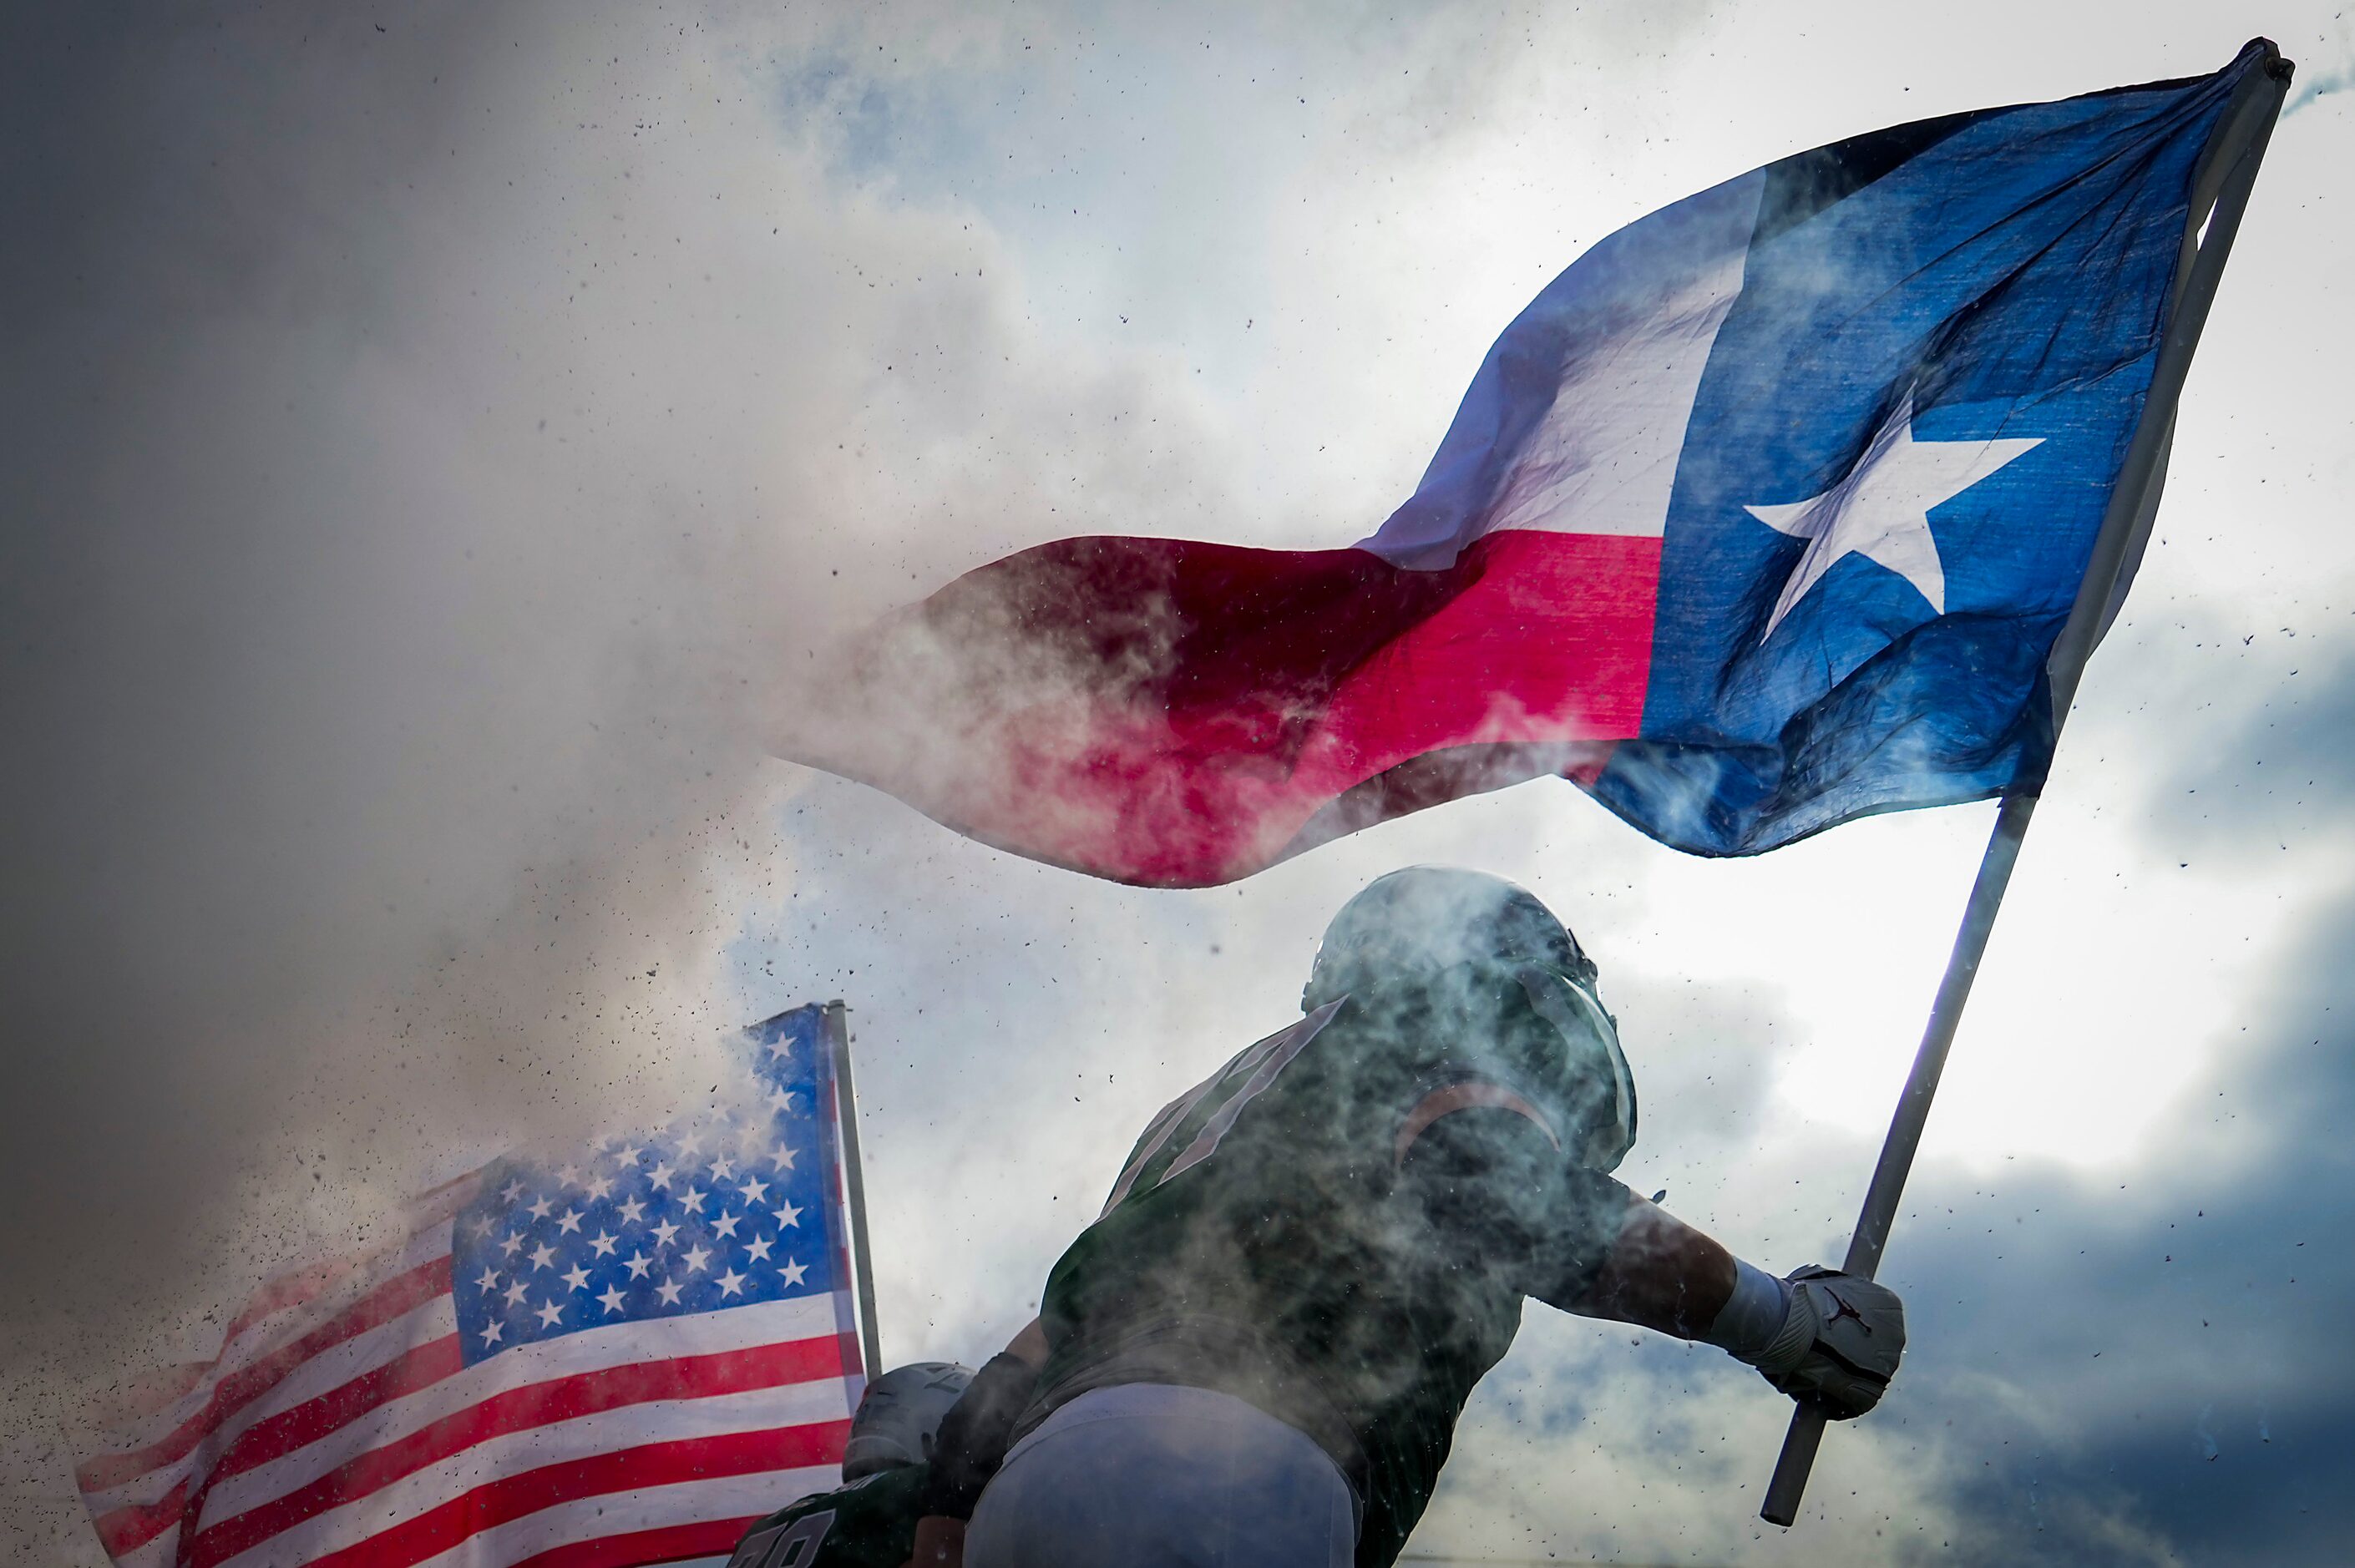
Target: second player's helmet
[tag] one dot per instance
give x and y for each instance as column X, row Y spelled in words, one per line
column 898, row 1414
column 1437, row 927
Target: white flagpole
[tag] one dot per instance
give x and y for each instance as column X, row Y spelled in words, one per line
column 2219, row 193
column 854, row 1184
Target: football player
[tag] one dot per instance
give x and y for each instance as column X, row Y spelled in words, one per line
column 1258, row 1353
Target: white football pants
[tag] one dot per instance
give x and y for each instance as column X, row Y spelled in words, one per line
column 1154, row 1475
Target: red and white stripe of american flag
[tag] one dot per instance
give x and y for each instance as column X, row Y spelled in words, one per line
column 338, row 1427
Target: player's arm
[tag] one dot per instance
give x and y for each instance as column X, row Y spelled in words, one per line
column 1829, row 1337
column 1589, row 1245
column 1662, row 1274
column 972, row 1444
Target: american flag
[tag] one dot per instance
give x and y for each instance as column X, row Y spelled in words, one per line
column 621, row 1360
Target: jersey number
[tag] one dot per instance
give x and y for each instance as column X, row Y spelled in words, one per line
column 790, row 1546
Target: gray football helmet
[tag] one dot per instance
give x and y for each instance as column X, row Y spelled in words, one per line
column 898, row 1415
column 1438, row 925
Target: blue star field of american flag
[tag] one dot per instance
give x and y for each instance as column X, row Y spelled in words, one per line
column 722, row 1210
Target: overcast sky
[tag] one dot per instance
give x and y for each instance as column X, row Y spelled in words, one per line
column 428, row 435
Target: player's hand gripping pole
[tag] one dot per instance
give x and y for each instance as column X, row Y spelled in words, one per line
column 2220, row 192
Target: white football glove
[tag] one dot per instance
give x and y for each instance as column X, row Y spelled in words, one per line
column 1840, row 1343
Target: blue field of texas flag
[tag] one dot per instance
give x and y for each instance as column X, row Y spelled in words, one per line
column 1762, row 515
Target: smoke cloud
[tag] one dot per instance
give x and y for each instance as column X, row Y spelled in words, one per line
column 430, row 438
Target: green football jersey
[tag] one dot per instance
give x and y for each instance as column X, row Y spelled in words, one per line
column 1340, row 1227
column 868, row 1523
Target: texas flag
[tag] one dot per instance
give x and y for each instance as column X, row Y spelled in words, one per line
column 1764, row 515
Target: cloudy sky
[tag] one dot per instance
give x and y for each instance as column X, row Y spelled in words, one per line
column 428, row 435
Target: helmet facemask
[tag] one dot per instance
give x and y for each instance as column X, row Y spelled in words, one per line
column 1606, row 1129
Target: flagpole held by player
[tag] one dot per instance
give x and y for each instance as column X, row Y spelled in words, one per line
column 2219, row 193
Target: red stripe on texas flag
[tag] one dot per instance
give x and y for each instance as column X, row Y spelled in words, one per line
column 1178, row 714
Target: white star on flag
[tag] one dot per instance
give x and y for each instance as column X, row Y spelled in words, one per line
column 758, row 1250
column 789, row 1214
column 1882, row 510
column 577, row 1277
column 793, row 1272
column 669, row 1291
column 697, row 1256
column 548, row 1312
column 638, row 1263
column 611, row 1299
column 730, row 1283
